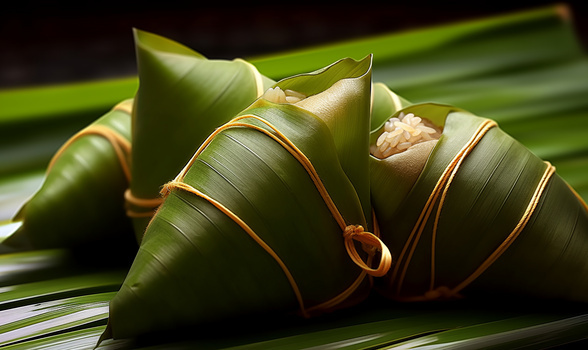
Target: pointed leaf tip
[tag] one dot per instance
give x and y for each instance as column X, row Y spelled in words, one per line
column 107, row 334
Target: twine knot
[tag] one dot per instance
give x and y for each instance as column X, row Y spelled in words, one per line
column 352, row 230
column 371, row 244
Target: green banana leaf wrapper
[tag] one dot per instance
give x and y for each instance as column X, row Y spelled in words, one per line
column 165, row 128
column 476, row 213
column 182, row 97
column 81, row 201
column 264, row 218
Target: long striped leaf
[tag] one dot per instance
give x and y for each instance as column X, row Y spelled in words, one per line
column 42, row 319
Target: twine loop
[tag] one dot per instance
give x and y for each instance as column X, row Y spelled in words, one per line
column 141, row 207
column 370, row 244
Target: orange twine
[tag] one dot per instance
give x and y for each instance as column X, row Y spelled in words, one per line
column 441, row 189
column 120, row 144
column 371, row 243
column 149, row 205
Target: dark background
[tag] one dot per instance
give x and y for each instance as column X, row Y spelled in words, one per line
column 43, row 42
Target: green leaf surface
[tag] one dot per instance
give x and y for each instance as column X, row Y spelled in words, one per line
column 437, row 55
column 17, row 189
column 81, row 197
column 85, row 338
column 44, row 318
column 36, row 265
column 499, row 68
column 35, row 121
column 535, row 331
column 39, row 291
column 273, row 183
column 63, row 100
column 182, row 98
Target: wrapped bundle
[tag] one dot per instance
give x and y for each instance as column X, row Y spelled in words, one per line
column 182, row 97
column 268, row 216
column 81, row 199
column 466, row 209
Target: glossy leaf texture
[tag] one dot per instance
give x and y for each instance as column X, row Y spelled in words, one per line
column 252, row 199
column 534, row 90
column 182, row 98
column 41, row 319
column 81, row 201
column 485, row 215
column 342, row 107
